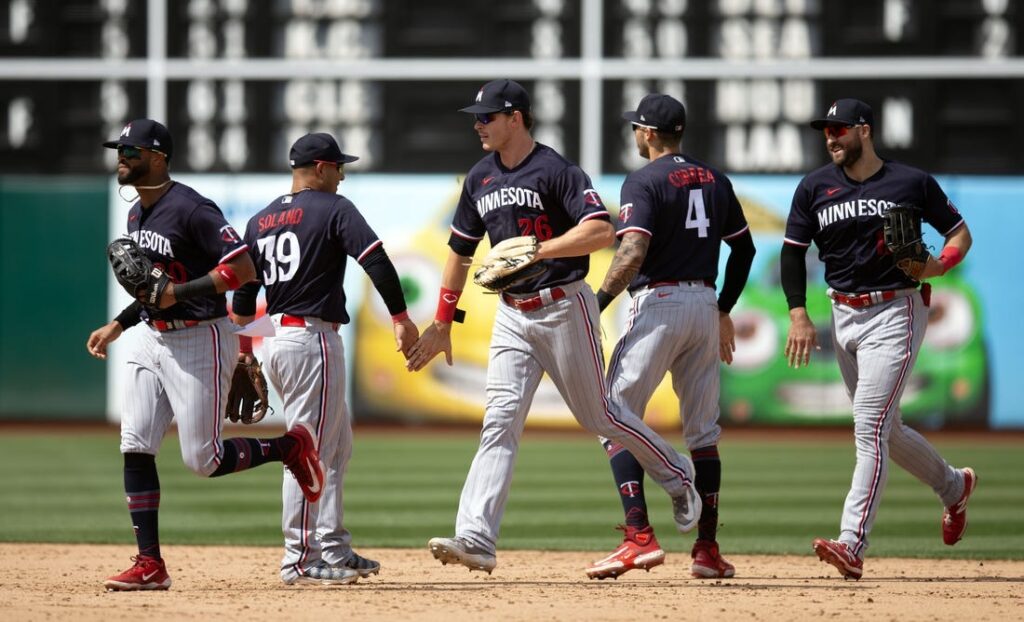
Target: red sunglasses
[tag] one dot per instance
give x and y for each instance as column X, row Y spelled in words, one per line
column 837, row 131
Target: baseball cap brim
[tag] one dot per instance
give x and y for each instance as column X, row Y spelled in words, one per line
column 127, row 142
column 634, row 117
column 483, row 108
column 346, row 158
column 820, row 124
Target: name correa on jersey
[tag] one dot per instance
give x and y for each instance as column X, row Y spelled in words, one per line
column 509, row 197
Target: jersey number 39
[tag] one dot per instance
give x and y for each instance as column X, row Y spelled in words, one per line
column 281, row 253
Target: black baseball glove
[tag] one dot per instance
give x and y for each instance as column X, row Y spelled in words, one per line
column 901, row 231
column 247, row 397
column 135, row 272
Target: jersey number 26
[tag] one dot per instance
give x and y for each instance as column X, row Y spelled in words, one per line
column 281, row 253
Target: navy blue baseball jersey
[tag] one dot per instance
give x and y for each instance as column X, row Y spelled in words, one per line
column 844, row 219
column 185, row 234
column 300, row 244
column 687, row 208
column 545, row 195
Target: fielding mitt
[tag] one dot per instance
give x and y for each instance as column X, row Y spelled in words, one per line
column 247, row 397
column 901, row 231
column 509, row 262
column 135, row 272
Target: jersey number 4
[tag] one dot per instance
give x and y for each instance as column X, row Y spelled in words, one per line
column 696, row 216
column 281, row 253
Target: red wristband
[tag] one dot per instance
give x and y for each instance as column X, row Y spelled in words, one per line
column 400, row 317
column 950, row 257
column 446, row 302
column 228, row 274
column 245, row 344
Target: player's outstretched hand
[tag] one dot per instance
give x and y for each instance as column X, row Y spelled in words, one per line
column 101, row 337
column 726, row 338
column 436, row 338
column 406, row 335
column 802, row 338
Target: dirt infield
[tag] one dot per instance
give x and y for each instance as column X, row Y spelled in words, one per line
column 61, row 582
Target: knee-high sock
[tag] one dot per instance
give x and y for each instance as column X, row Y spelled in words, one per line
column 142, row 489
column 629, row 477
column 244, row 453
column 708, row 482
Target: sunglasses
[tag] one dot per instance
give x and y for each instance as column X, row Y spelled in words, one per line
column 486, row 117
column 337, row 165
column 134, row 153
column 837, row 131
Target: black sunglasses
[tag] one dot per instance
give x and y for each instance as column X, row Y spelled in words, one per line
column 486, row 117
column 134, row 153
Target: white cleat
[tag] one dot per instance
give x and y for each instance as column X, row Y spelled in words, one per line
column 460, row 551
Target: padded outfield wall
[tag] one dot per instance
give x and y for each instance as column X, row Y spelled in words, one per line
column 966, row 373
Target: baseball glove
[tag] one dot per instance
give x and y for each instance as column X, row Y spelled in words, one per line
column 135, row 272
column 247, row 397
column 901, row 231
column 509, row 262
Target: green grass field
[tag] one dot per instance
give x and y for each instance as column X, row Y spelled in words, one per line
column 402, row 488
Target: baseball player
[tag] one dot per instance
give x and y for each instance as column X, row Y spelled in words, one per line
column 675, row 212
column 879, row 315
column 182, row 365
column 300, row 243
column 546, row 324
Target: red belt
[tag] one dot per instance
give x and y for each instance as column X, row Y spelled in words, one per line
column 534, row 302
column 164, row 326
column 299, row 321
column 706, row 282
column 860, row 301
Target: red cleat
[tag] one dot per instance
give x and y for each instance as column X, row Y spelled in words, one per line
column 304, row 462
column 148, row 573
column 708, row 563
column 640, row 549
column 839, row 555
column 954, row 519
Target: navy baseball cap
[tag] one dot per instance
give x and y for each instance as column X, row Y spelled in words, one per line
column 663, row 113
column 846, row 112
column 320, row 146
column 499, row 96
column 144, row 133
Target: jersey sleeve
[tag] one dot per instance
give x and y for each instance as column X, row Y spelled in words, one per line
column 578, row 196
column 635, row 209
column 735, row 222
column 350, row 228
column 467, row 228
column 214, row 235
column 800, row 227
column 939, row 211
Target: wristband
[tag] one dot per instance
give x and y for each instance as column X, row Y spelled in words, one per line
column 603, row 299
column 446, row 302
column 245, row 344
column 400, row 317
column 227, row 273
column 950, row 257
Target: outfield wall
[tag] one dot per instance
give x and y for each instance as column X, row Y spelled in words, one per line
column 967, row 371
